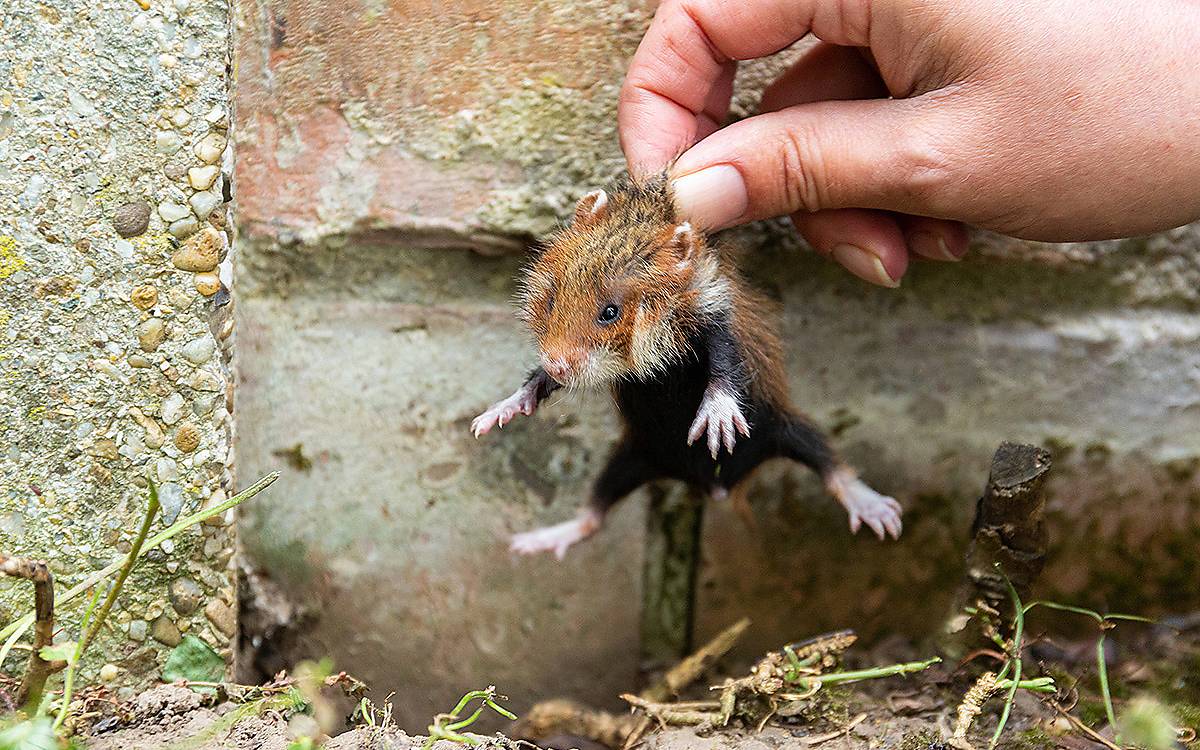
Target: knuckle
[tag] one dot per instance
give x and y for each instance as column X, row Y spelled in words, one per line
column 932, row 177
column 800, row 182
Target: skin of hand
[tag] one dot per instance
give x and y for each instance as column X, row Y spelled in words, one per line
column 1055, row 120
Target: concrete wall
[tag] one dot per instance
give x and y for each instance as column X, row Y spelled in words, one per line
column 113, row 118
column 392, row 162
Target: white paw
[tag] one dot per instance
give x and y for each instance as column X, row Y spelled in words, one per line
column 720, row 416
column 524, row 401
column 557, row 539
column 866, row 506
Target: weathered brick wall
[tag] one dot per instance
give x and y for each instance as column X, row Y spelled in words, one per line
column 113, row 120
column 393, row 160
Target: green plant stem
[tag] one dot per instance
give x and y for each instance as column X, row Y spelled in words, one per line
column 1014, row 659
column 69, row 676
column 22, row 624
column 89, row 626
column 440, row 731
column 1036, row 685
column 1102, row 673
column 835, row 678
column 130, row 560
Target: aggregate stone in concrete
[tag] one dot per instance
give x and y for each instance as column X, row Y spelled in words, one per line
column 95, row 97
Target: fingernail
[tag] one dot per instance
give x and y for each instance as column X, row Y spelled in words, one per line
column 930, row 245
column 864, row 265
column 714, row 197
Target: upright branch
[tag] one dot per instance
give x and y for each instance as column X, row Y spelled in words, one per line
column 29, row 695
column 1008, row 536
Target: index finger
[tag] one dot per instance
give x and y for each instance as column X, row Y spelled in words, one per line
column 688, row 51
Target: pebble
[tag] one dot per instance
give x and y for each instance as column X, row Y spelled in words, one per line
column 155, row 437
column 170, row 495
column 171, row 211
column 184, row 228
column 210, row 148
column 167, row 142
column 199, row 350
column 164, row 630
column 204, row 203
column 222, row 617
column 144, row 297
column 216, row 116
column 138, row 361
column 175, row 171
column 202, row 380
column 212, row 546
column 216, row 499
column 151, row 334
column 165, row 469
column 108, row 370
column 138, row 629
column 202, row 178
column 180, row 118
column 187, row 437
column 103, row 449
column 172, row 408
column 185, row 595
column 207, row 284
column 201, row 252
column 131, row 219
column 109, row 672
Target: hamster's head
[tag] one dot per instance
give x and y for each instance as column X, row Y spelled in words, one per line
column 616, row 293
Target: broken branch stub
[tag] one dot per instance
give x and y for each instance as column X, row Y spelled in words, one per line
column 29, row 694
column 1009, row 528
column 1008, row 536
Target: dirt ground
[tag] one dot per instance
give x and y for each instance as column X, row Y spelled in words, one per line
column 915, row 712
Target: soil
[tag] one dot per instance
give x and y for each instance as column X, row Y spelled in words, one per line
column 916, row 712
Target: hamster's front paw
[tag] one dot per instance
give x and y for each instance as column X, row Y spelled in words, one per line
column 721, row 418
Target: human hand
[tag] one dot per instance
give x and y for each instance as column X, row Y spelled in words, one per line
column 1054, row 120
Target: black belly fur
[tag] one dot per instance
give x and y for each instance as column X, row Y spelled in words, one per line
column 658, row 414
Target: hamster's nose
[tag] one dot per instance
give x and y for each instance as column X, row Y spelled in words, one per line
column 558, row 367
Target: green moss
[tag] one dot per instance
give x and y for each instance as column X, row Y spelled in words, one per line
column 1034, row 738
column 1091, row 711
column 926, row 739
column 831, row 704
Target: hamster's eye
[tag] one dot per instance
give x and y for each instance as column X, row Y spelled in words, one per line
column 608, row 315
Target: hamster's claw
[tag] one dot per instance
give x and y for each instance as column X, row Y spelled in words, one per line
column 866, row 506
column 721, row 418
column 523, row 401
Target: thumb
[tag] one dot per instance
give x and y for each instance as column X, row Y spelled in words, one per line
column 866, row 154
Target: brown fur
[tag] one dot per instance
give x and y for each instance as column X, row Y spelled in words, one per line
column 628, row 253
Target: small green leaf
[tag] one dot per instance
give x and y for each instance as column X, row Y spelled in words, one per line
column 193, row 660
column 37, row 734
column 64, row 651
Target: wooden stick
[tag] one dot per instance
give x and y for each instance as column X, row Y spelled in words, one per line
column 1008, row 536
column 38, row 670
column 683, row 674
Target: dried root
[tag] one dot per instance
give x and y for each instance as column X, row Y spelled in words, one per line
column 972, row 704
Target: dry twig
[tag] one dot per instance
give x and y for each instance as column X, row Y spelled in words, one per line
column 38, row 670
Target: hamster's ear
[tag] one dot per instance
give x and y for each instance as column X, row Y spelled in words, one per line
column 591, row 207
column 685, row 243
